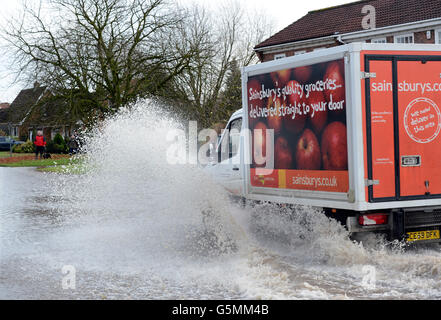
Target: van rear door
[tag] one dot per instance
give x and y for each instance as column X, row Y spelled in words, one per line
column 403, row 100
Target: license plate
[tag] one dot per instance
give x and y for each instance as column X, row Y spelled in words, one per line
column 423, row 235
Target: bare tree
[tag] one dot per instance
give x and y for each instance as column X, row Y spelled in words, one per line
column 100, row 54
column 223, row 39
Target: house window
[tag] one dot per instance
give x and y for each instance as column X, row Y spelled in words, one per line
column 279, row 56
column 404, row 38
column 379, row 40
column 299, row 52
column 438, row 36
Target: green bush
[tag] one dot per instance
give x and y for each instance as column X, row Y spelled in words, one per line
column 58, row 145
column 27, row 147
column 58, row 139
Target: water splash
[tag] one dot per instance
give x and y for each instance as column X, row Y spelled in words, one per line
column 128, row 176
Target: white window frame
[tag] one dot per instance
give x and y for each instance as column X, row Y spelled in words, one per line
column 299, row 52
column 279, row 56
column 437, row 36
column 379, row 40
column 403, row 36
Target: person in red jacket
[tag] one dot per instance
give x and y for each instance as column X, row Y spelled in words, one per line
column 40, row 144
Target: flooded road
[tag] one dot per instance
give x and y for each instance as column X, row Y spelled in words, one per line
column 136, row 227
column 114, row 255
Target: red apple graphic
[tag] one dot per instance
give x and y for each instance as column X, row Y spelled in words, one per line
column 318, row 116
column 308, row 152
column 280, row 78
column 275, row 120
column 295, row 99
column 283, row 154
column 334, row 147
column 335, row 76
column 260, row 144
column 302, row 74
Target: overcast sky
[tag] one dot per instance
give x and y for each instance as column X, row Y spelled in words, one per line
column 283, row 12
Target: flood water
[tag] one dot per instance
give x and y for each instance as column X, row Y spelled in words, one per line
column 135, row 227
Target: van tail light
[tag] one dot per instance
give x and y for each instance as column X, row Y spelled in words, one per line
column 372, row 219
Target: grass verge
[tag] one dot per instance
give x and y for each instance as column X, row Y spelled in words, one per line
column 37, row 163
column 60, row 164
column 73, row 166
column 6, row 154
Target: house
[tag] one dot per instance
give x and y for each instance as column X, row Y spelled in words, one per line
column 52, row 115
column 38, row 108
column 4, row 129
column 4, row 105
column 376, row 21
column 19, row 109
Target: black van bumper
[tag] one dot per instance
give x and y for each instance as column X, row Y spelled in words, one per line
column 402, row 222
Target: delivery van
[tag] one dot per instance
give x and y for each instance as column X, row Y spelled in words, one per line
column 353, row 129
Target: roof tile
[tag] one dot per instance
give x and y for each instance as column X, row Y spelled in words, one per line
column 23, row 102
column 348, row 17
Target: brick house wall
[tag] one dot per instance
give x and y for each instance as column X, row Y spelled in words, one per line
column 420, row 37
